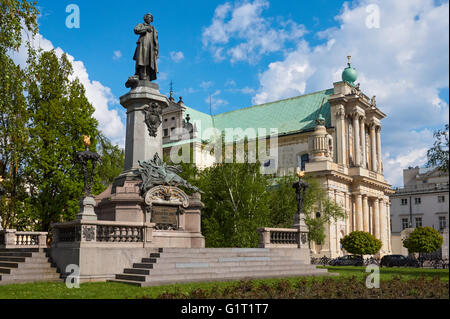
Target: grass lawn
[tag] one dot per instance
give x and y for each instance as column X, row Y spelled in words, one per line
column 104, row 290
column 390, row 272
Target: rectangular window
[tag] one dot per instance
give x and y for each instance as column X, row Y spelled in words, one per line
column 442, row 222
column 441, row 199
column 405, row 223
column 166, row 132
column 404, row 201
column 417, row 200
column 302, row 160
column 418, row 221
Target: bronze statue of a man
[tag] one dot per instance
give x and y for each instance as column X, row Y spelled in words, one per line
column 147, row 50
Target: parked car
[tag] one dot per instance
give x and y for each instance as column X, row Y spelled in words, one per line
column 348, row 260
column 398, row 261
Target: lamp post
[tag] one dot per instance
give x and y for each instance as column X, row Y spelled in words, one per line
column 299, row 218
column 87, row 203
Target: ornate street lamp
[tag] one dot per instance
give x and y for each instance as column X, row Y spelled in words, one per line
column 87, row 203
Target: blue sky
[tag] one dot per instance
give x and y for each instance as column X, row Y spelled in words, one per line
column 249, row 52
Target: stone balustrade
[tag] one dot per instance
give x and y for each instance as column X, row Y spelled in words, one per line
column 11, row 238
column 98, row 231
column 281, row 238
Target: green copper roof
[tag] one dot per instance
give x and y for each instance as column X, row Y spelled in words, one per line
column 288, row 116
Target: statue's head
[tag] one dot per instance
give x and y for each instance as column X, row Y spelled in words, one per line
column 148, row 18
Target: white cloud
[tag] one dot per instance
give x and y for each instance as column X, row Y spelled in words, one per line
column 230, row 83
column 240, row 33
column 206, row 85
column 404, row 63
column 99, row 95
column 215, row 101
column 176, row 56
column 117, row 55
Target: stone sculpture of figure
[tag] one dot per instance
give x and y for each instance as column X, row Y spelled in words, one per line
column 155, row 172
column 147, row 50
column 300, row 190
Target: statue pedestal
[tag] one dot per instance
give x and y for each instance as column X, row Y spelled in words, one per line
column 139, row 145
column 122, row 201
column 300, row 225
column 87, row 212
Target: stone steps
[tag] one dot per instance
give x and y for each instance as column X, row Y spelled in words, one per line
column 176, row 265
column 221, row 277
column 26, row 265
column 215, row 270
column 20, row 250
column 195, row 267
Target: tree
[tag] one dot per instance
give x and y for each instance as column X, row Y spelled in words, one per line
column 16, row 17
column 112, row 161
column 319, row 211
column 361, row 243
column 423, row 240
column 59, row 115
column 438, row 155
column 13, row 142
column 236, row 204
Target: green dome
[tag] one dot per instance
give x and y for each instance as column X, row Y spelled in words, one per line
column 349, row 75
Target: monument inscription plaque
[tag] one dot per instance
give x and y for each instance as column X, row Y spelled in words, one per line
column 165, row 217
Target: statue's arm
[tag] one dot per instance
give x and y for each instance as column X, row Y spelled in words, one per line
column 140, row 29
column 156, row 42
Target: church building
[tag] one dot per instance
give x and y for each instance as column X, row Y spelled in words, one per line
column 333, row 134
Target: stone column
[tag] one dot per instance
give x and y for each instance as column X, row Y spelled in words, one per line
column 382, row 222
column 363, row 143
column 388, row 222
column 365, row 203
column 341, row 149
column 378, row 133
column 356, row 137
column 373, row 147
column 358, row 212
column 376, row 218
column 348, row 210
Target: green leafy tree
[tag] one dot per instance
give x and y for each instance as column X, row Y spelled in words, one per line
column 16, row 17
column 282, row 202
column 236, row 204
column 59, row 115
column 112, row 164
column 361, row 243
column 319, row 211
column 13, row 142
column 438, row 155
column 423, row 240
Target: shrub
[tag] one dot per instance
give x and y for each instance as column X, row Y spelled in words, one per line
column 326, row 288
column 361, row 243
column 423, row 240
